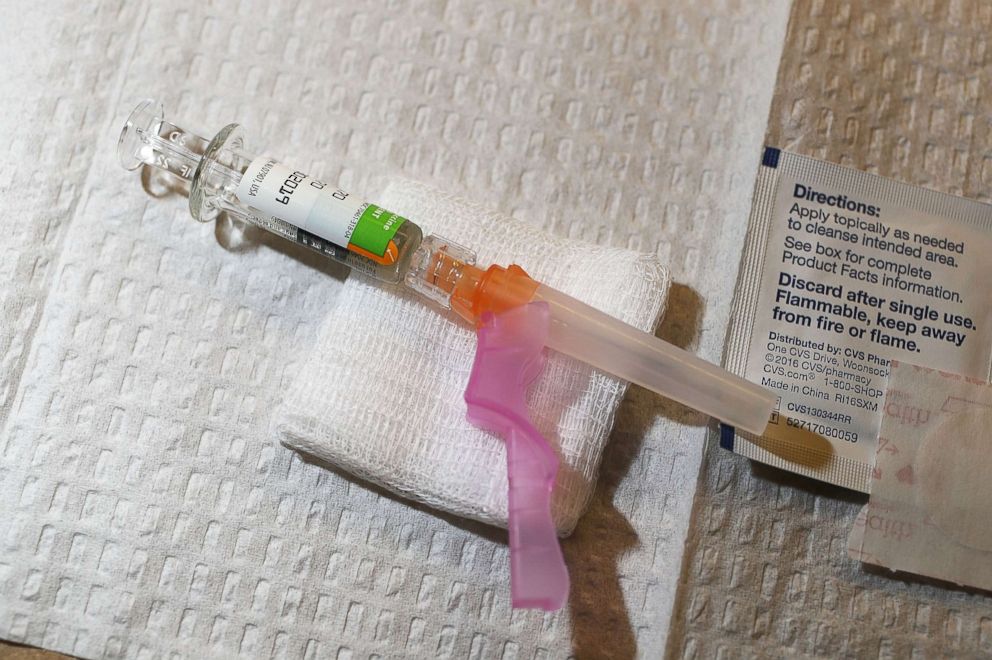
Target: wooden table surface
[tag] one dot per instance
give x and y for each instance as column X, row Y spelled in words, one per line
column 10, row 651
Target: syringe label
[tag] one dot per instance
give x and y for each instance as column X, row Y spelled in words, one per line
column 317, row 243
column 334, row 215
column 375, row 228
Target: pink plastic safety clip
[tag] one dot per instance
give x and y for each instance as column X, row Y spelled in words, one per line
column 510, row 355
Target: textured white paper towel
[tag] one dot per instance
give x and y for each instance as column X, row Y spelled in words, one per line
column 144, row 508
column 47, row 140
column 899, row 88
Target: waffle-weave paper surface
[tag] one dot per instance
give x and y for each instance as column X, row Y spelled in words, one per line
column 145, row 508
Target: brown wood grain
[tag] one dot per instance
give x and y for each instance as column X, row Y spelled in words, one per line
column 9, row 651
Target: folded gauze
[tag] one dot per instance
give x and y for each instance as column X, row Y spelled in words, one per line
column 380, row 395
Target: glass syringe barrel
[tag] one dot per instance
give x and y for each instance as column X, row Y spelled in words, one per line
column 262, row 191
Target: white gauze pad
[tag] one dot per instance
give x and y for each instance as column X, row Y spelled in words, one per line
column 381, row 395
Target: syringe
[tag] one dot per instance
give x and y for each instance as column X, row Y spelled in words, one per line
column 224, row 177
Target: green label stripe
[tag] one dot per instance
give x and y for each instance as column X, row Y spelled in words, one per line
column 375, row 228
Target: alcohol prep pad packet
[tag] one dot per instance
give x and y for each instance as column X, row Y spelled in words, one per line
column 842, row 272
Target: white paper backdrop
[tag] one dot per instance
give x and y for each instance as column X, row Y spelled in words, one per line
column 145, row 509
